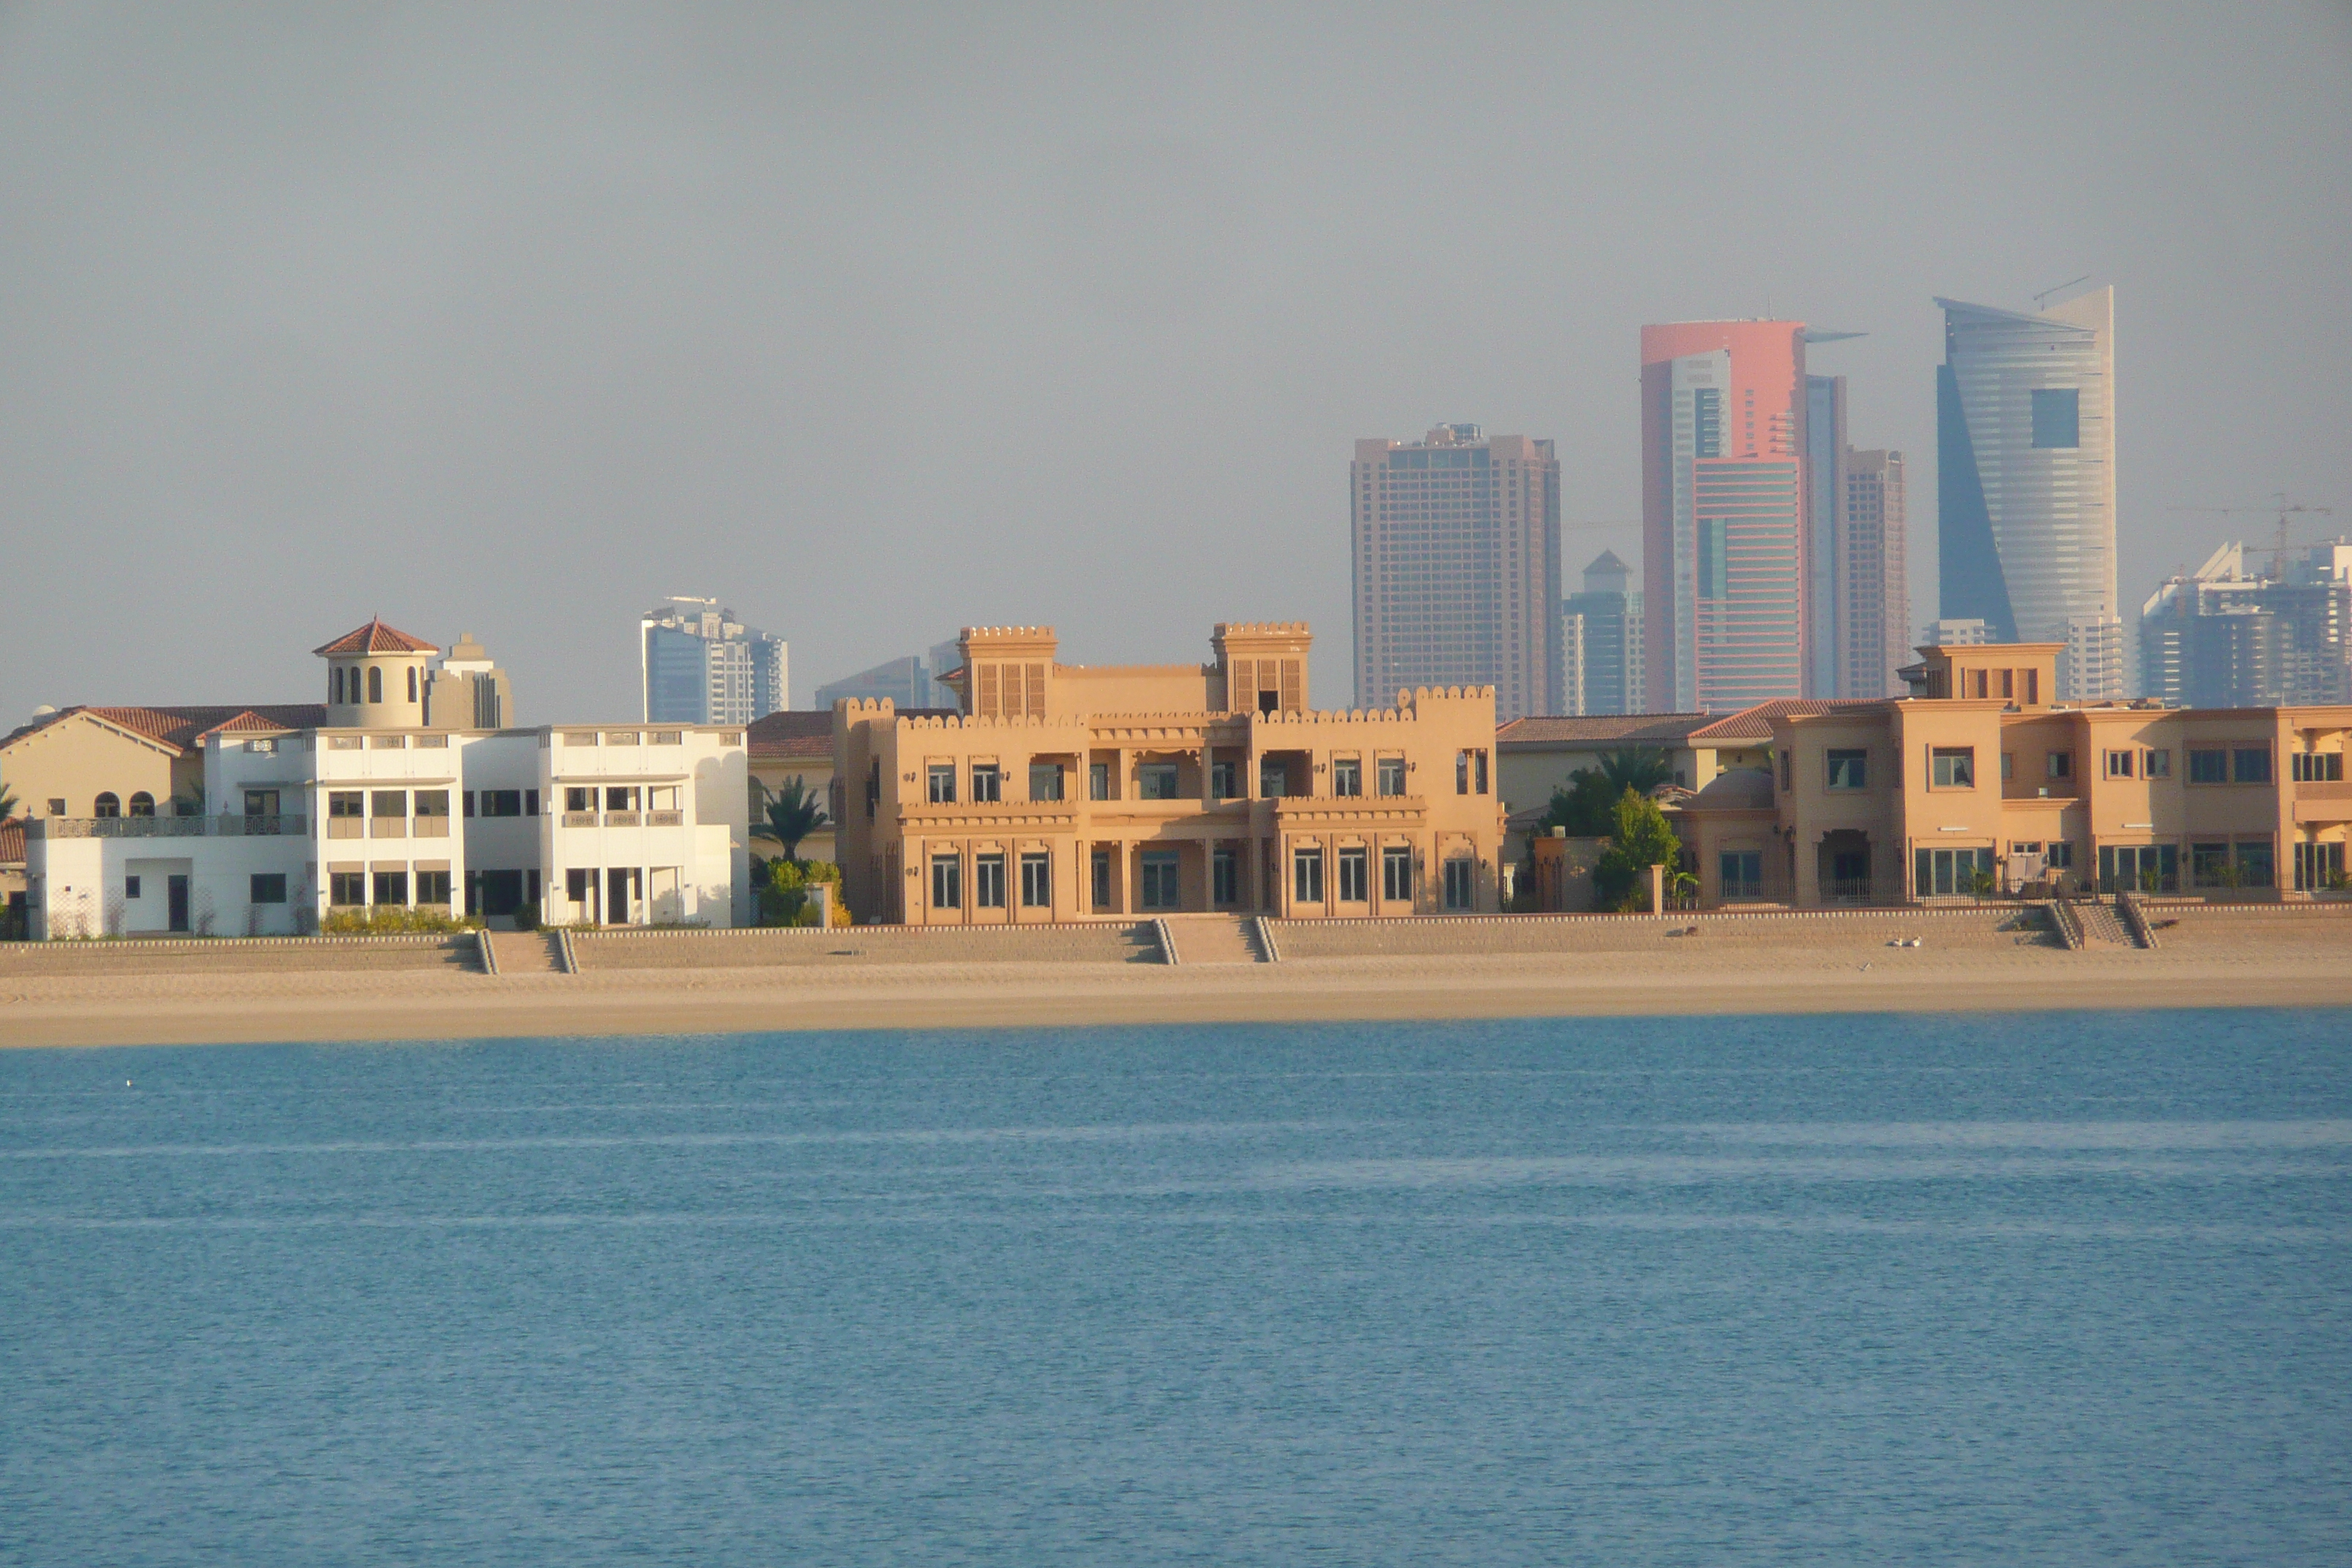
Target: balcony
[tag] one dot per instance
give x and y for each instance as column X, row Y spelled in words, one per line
column 665, row 819
column 620, row 819
column 579, row 819
column 432, row 828
column 167, row 827
column 387, row 828
column 2323, row 800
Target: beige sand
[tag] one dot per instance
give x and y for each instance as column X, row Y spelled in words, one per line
column 1838, row 965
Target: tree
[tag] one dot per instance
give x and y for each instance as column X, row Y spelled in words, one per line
column 7, row 802
column 793, row 813
column 1587, row 807
column 1641, row 839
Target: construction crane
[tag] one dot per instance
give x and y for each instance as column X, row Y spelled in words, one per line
column 2060, row 289
column 2276, row 548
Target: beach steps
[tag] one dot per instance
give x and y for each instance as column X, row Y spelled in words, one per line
column 527, row 952
column 1108, row 942
column 199, row 955
column 1214, row 939
column 2103, row 928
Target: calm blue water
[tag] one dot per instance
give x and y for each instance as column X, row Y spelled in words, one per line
column 2059, row 1288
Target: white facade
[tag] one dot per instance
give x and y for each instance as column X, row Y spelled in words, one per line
column 299, row 824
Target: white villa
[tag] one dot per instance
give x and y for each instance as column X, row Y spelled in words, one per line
column 630, row 825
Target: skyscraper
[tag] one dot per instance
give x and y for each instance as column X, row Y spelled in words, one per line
column 1874, row 585
column 1602, row 642
column 2220, row 638
column 2026, row 481
column 1723, row 513
column 1456, row 540
column 702, row 666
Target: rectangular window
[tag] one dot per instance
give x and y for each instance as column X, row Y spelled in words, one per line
column 2255, row 867
column 1223, row 781
column 2058, row 765
column 1306, row 876
column 344, row 803
column 433, row 887
column 1943, row 873
column 2251, row 764
column 129, row 887
column 1742, row 873
column 1045, row 780
column 392, row 887
column 2318, row 867
column 987, row 783
column 2317, row 767
column 942, row 785
column 1101, row 879
column 1273, row 780
column 347, row 889
column 1392, row 776
column 2207, row 766
column 1224, row 876
column 2061, row 855
column 988, row 882
column 1155, row 780
column 1347, row 779
column 1396, row 874
column 429, row 802
column 1098, row 781
column 1161, row 889
column 388, row 802
column 620, row 797
column 469, row 798
column 267, row 888
column 1952, row 767
column 1478, row 771
column 579, row 797
column 1038, row 879
column 580, row 885
column 2120, row 765
column 1355, row 875
column 2158, row 765
column 2209, row 865
column 1461, row 772
column 502, row 803
column 1788, row 774
column 947, row 881
column 1461, row 884
column 2057, row 417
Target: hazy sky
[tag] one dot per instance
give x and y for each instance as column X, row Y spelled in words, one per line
column 878, row 322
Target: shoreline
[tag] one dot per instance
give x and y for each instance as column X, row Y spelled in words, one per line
column 360, row 1006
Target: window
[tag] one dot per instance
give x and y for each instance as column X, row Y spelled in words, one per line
column 579, row 737
column 580, row 885
column 392, row 887
column 2057, row 417
column 1461, row 772
column 2209, row 865
column 57, row 806
column 1742, row 874
column 503, row 802
column 2255, row 868
column 2007, row 766
column 129, row 887
column 2207, row 766
column 1224, row 875
column 1273, row 780
column 1355, row 875
column 947, row 882
column 388, row 802
column 1470, row 772
column 1952, row 767
column 1788, row 774
column 412, row 683
column 2060, row 856
column 2120, row 765
column 1098, row 781
column 620, row 797
column 988, row 882
column 1391, row 780
column 2058, row 765
column 2251, row 764
column 1396, row 873
column 1461, row 884
column 1045, row 780
column 1223, row 781
column 1942, row 873
column 429, row 802
column 1038, row 879
column 2307, row 767
column 109, row 804
column 433, row 887
column 1101, row 879
column 2158, row 765
column 1155, row 780
column 942, row 789
column 344, row 803
column 1478, row 770
column 265, row 748
column 346, row 888
column 335, row 685
column 1159, row 879
column 665, row 738
column 1306, row 876
column 987, row 783
column 1346, row 780
column 376, row 683
column 2318, row 867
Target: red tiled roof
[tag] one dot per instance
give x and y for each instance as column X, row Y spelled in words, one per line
column 12, row 843
column 792, row 732
column 183, row 729
column 1756, row 723
column 1624, row 729
column 377, row 638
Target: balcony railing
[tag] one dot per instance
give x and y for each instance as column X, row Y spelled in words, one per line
column 432, row 828
column 665, row 819
column 168, row 826
column 579, row 819
column 620, row 819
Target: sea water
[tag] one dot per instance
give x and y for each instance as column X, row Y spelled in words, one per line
column 2050, row 1288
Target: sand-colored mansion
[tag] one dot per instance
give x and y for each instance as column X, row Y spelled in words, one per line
column 1066, row 792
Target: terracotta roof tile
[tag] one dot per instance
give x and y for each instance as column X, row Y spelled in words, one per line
column 184, row 728
column 791, row 732
column 1624, row 729
column 377, row 638
column 12, row 843
column 1756, row 723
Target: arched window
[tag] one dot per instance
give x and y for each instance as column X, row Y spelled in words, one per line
column 376, row 683
column 412, row 683
column 142, row 805
column 107, row 805
column 335, row 684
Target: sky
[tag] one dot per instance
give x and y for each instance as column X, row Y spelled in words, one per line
column 874, row 322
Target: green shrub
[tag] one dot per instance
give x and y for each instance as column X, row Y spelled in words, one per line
column 393, row 919
column 526, row 916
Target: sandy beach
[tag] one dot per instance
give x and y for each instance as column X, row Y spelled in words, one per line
column 719, row 982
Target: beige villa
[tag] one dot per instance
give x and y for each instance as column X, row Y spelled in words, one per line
column 1068, row 791
column 1980, row 777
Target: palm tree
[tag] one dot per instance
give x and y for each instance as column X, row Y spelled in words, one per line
column 7, row 802
column 793, row 813
column 1638, row 768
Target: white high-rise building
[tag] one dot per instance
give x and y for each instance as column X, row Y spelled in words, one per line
column 2026, row 481
column 702, row 665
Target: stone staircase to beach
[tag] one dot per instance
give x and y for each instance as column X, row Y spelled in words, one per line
column 1214, row 939
column 527, row 952
column 2103, row 928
